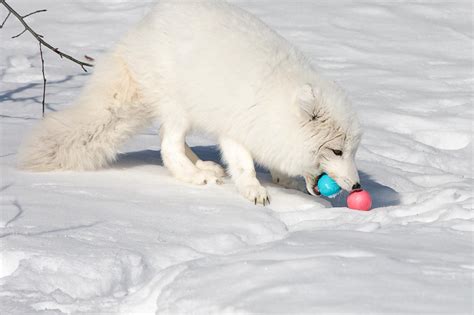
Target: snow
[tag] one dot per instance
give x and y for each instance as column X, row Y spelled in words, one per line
column 131, row 239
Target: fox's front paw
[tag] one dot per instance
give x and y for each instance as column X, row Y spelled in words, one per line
column 212, row 167
column 255, row 193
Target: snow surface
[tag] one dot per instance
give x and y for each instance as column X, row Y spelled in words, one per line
column 131, row 239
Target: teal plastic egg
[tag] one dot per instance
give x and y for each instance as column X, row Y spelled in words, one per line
column 328, row 186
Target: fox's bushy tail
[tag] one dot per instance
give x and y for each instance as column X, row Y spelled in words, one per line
column 87, row 136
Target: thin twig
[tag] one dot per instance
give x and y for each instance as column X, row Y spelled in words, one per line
column 44, row 77
column 6, row 18
column 41, row 40
column 18, row 35
column 37, row 11
column 41, row 43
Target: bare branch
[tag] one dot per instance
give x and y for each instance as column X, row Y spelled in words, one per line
column 89, row 58
column 41, row 43
column 40, row 39
column 37, row 11
column 18, row 35
column 6, row 18
column 44, row 76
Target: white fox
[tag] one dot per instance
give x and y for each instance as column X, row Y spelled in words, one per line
column 210, row 66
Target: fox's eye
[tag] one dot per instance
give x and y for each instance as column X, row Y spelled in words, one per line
column 337, row 152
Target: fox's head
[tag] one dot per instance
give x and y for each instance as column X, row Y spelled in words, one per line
column 331, row 135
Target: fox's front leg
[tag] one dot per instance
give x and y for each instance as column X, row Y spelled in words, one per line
column 242, row 169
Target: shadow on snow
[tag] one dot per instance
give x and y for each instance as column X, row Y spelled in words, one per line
column 382, row 196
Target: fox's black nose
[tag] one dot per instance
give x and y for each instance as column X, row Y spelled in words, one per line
column 356, row 186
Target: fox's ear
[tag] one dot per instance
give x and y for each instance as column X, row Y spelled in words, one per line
column 306, row 99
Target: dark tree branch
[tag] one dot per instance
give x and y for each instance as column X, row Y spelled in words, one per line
column 44, row 77
column 37, row 11
column 41, row 43
column 40, row 39
column 6, row 18
column 21, row 33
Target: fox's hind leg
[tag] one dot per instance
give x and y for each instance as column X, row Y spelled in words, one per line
column 204, row 165
column 173, row 152
column 242, row 170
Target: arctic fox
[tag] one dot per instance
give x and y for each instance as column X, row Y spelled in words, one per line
column 210, row 66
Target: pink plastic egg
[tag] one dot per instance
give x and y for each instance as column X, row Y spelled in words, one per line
column 359, row 200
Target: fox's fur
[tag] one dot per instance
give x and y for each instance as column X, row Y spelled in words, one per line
column 206, row 65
